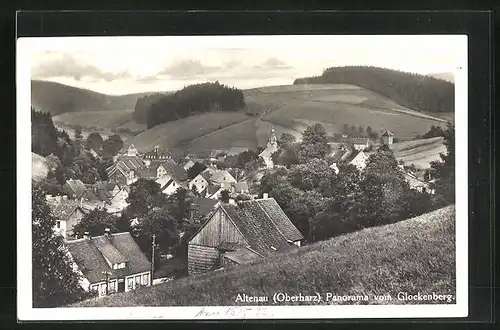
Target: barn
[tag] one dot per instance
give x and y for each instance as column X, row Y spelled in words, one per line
column 239, row 233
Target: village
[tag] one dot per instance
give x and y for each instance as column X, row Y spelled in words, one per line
column 238, row 223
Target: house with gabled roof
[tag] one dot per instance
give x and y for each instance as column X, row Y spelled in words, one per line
column 235, row 151
column 67, row 213
column 116, row 255
column 238, row 233
column 74, row 189
column 168, row 185
column 157, row 154
column 200, row 182
column 125, row 170
column 387, row 138
column 222, row 177
column 361, row 143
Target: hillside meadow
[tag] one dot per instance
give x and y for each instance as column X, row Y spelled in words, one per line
column 415, row 255
column 420, row 152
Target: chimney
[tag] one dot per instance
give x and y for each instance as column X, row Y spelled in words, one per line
column 265, row 195
column 106, row 232
column 86, row 235
column 81, row 202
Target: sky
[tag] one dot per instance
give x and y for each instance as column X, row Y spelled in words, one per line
column 124, row 65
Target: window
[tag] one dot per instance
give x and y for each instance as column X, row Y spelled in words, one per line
column 94, row 287
column 103, row 289
column 145, row 279
column 112, row 286
column 58, row 224
column 138, row 280
column 130, row 283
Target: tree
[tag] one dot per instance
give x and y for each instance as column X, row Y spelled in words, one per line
column 94, row 141
column 286, row 139
column 95, row 222
column 144, row 196
column 112, row 145
column 361, row 130
column 196, row 169
column 384, row 198
column 445, row 169
column 54, row 282
column 78, row 132
column 309, row 176
column 224, row 196
column 369, row 131
column 51, row 187
column 314, row 143
column 180, row 204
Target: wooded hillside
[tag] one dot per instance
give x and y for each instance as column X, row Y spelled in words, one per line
column 418, row 92
column 193, row 99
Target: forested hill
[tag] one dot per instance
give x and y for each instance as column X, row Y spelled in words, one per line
column 415, row 91
column 193, row 99
column 56, row 98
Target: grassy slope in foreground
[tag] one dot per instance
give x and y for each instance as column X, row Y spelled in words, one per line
column 416, row 255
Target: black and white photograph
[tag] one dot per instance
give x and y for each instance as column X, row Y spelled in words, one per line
column 242, row 177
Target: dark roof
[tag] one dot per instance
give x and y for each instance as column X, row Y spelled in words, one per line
column 242, row 255
column 204, row 206
column 175, row 170
column 352, row 155
column 74, row 188
column 387, row 133
column 235, row 151
column 158, row 152
column 263, row 225
column 216, row 152
column 221, row 176
column 61, row 208
column 89, row 257
column 337, row 156
column 358, row 140
column 125, row 164
column 212, row 189
column 147, row 173
column 206, row 176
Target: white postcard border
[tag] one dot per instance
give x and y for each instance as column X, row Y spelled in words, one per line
column 24, row 254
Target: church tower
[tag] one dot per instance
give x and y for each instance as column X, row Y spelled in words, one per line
column 272, row 138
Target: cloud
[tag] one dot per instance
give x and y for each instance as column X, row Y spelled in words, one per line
column 188, row 69
column 58, row 65
column 273, row 63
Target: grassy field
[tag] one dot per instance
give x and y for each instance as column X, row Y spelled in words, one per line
column 339, row 106
column 182, row 132
column 419, row 152
column 415, row 255
column 100, row 119
column 38, row 167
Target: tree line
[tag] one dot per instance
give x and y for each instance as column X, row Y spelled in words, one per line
column 193, row 99
column 410, row 90
column 71, row 159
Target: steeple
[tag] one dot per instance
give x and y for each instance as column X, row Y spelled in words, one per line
column 272, row 137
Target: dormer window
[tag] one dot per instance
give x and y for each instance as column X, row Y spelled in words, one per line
column 119, row 266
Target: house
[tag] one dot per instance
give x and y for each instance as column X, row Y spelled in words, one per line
column 241, row 187
column 168, row 185
column 359, row 143
column 157, row 154
column 67, row 213
column 132, row 150
column 125, row 170
column 205, row 207
column 235, row 151
column 241, row 233
column 222, row 177
column 116, row 255
column 417, row 184
column 217, row 155
column 357, row 158
column 188, row 164
column 74, row 189
column 95, row 154
column 200, row 182
column 212, row 191
column 272, row 147
column 387, row 138
column 119, row 200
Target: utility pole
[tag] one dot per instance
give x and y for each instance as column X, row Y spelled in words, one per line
column 153, row 258
column 107, row 274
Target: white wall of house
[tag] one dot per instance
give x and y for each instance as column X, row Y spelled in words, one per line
column 359, row 161
column 172, row 188
column 133, row 282
column 199, row 182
